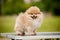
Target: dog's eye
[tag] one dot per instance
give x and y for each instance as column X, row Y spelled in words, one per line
column 38, row 13
column 31, row 13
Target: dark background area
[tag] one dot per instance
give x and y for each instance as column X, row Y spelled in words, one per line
column 11, row 7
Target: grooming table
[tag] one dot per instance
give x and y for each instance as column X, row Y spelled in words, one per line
column 40, row 35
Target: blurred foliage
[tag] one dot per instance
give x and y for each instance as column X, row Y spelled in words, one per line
column 10, row 7
column 13, row 7
column 52, row 5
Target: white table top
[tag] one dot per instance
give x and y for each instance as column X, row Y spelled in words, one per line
column 39, row 35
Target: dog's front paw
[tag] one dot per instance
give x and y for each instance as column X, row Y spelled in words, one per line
column 21, row 34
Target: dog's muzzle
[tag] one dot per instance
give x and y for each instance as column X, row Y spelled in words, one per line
column 34, row 17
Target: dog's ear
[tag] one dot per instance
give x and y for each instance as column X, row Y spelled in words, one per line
column 32, row 8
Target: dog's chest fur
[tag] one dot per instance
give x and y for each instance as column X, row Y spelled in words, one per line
column 33, row 22
column 27, row 22
column 36, row 22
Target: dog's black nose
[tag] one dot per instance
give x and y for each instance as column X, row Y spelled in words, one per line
column 34, row 17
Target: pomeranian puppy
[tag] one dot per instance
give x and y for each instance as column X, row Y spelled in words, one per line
column 28, row 21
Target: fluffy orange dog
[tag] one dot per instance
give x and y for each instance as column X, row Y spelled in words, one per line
column 28, row 21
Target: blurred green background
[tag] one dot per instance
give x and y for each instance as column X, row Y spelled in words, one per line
column 11, row 8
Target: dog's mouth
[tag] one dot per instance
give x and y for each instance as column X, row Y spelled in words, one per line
column 33, row 17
